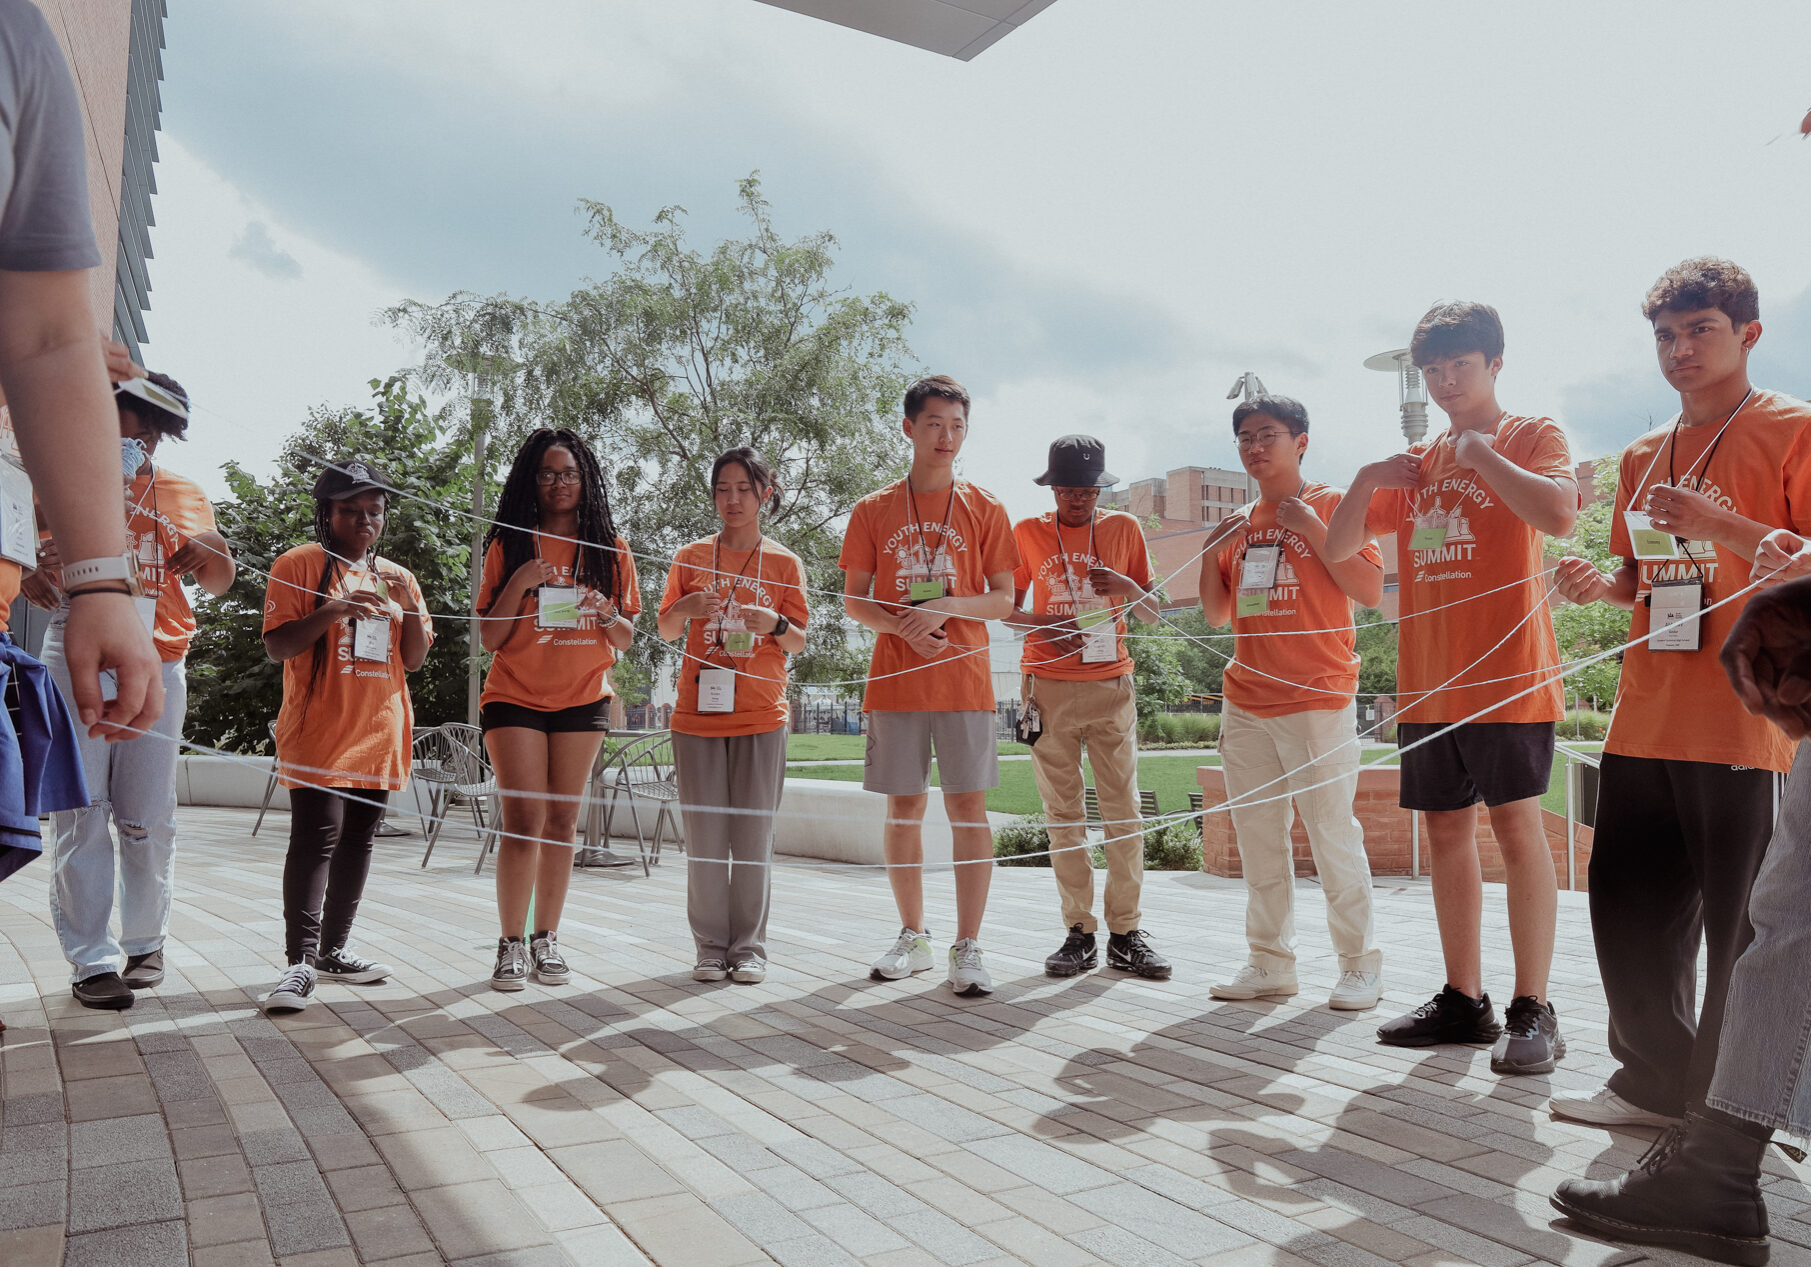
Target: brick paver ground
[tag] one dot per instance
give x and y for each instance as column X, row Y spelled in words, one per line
column 820, row 1118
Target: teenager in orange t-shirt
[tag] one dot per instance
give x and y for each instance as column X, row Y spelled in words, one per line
column 1291, row 717
column 1685, row 805
column 1080, row 573
column 132, row 784
column 347, row 625
column 739, row 599
column 1468, row 512
column 556, row 613
column 926, row 562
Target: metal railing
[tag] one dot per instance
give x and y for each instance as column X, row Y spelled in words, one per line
column 1574, row 758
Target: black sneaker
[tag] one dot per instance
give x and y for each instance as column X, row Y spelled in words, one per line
column 550, row 967
column 343, row 965
column 294, row 989
column 1530, row 1041
column 103, row 990
column 1449, row 1017
column 144, row 971
column 511, row 972
column 1075, row 956
column 1131, row 952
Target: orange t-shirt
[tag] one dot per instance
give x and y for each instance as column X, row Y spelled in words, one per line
column 164, row 510
column 1319, row 671
column 1678, row 705
column 1489, row 647
column 776, row 581
column 1053, row 567
column 552, row 669
column 10, row 575
column 354, row 729
column 962, row 537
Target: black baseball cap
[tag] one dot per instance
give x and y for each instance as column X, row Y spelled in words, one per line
column 349, row 477
column 1077, row 462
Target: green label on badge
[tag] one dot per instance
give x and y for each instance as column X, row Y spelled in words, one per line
column 1651, row 543
column 1427, row 539
column 924, row 591
column 739, row 643
column 559, row 609
column 1254, row 604
column 1087, row 620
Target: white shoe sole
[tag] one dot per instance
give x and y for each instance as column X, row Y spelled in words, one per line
column 879, row 973
column 1596, row 1115
column 356, row 978
column 283, row 1001
column 748, row 978
column 553, row 978
column 708, row 974
column 969, row 991
column 509, row 986
column 1239, row 993
column 1354, row 1005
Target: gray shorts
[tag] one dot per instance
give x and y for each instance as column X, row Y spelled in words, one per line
column 899, row 752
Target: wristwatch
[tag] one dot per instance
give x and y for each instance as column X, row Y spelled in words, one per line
column 780, row 624
column 117, row 567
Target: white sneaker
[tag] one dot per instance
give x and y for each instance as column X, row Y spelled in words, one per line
column 710, row 970
column 1356, row 992
column 294, row 990
column 1606, row 1108
column 1253, row 982
column 911, row 953
column 967, row 975
column 750, row 971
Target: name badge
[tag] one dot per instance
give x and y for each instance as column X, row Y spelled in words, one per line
column 716, row 690
column 1259, row 569
column 371, row 639
column 18, row 525
column 1102, row 645
column 1647, row 541
column 1427, row 538
column 924, row 591
column 739, row 644
column 147, row 610
column 558, row 607
column 1673, row 608
column 1255, row 603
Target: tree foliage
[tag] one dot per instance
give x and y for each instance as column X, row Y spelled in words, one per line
column 235, row 689
column 1376, row 645
column 678, row 354
column 1584, row 631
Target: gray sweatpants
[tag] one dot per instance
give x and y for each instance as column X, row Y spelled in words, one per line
column 728, row 791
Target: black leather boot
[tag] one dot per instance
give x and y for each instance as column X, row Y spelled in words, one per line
column 1698, row 1187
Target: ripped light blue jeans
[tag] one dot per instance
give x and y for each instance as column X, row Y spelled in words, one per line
column 1761, row 1065
column 133, row 784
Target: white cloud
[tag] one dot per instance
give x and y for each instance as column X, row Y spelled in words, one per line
column 257, row 248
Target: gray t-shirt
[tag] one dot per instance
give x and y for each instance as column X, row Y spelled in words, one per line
column 45, row 221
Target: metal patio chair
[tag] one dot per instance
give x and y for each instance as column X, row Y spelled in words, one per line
column 270, row 784
column 432, row 762
column 473, row 783
column 642, row 770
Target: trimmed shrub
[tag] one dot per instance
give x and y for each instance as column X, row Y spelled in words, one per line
column 1582, row 723
column 1022, row 836
column 1172, row 847
column 1191, row 730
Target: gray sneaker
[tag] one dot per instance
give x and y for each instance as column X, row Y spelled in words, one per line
column 550, row 967
column 910, row 954
column 294, row 990
column 968, row 975
column 710, row 970
column 750, row 971
column 511, row 972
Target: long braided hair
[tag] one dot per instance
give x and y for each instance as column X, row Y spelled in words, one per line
column 331, row 568
column 519, row 513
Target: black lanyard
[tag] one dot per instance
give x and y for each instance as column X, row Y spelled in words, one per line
column 1282, row 540
column 1702, row 466
column 943, row 532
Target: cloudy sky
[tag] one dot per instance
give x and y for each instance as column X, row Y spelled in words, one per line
column 1103, row 219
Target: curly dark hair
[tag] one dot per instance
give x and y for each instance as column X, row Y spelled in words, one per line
column 1705, row 282
column 1455, row 327
column 331, row 567
column 519, row 513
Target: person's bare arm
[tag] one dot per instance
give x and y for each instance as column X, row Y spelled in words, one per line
column 1216, row 599
column 501, row 619
column 1346, row 530
column 1580, row 581
column 1546, row 503
column 209, row 558
column 1358, row 578
column 1696, row 517
column 53, row 374
column 287, row 641
column 879, row 617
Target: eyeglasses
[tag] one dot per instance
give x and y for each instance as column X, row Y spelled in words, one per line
column 1079, row 494
column 1261, row 439
column 559, row 477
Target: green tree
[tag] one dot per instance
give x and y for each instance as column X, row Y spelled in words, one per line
column 1376, row 639
column 1584, row 631
column 678, row 354
column 1201, row 651
column 235, row 689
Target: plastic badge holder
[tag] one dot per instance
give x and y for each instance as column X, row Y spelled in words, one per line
column 1427, row 539
column 1650, row 544
column 558, row 607
column 1673, row 608
column 371, row 638
column 1102, row 646
column 18, row 525
column 716, row 690
column 924, row 591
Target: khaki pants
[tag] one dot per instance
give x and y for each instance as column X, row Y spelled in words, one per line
column 1103, row 716
column 1269, row 757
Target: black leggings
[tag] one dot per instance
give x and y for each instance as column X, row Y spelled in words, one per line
column 329, row 858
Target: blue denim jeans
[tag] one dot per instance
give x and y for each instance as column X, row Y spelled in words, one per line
column 133, row 783
column 1767, row 1024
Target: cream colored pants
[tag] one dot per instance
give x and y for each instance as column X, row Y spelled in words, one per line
column 1309, row 748
column 1103, row 716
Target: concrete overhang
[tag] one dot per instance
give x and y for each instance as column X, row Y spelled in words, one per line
column 955, row 28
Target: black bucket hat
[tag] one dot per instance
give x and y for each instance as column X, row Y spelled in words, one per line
column 1077, row 462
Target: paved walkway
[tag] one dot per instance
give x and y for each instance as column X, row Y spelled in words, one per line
column 820, row 1118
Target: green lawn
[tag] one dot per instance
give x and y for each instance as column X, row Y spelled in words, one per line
column 1172, row 778
column 852, row 748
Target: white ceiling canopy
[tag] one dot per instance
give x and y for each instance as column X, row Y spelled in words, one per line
column 955, row 28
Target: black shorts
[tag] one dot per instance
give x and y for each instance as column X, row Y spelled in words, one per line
column 1492, row 761
column 593, row 716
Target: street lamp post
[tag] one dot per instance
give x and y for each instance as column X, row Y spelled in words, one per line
column 1411, row 390
column 482, row 373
